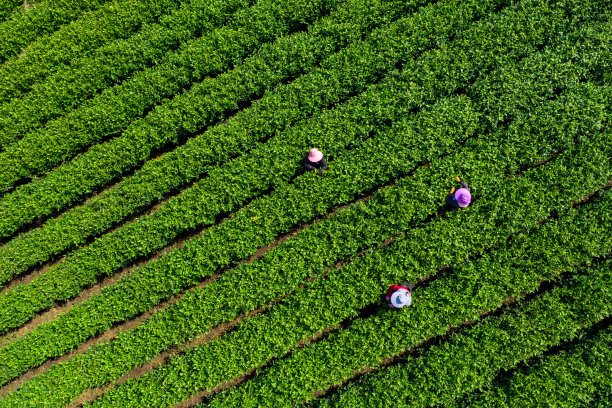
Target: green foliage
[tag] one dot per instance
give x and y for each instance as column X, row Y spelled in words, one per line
column 115, row 107
column 117, row 19
column 87, row 74
column 65, row 278
column 288, row 56
column 515, row 100
column 268, row 165
column 571, row 377
column 221, row 246
column 341, row 75
column 277, row 273
column 7, row 7
column 472, row 358
column 344, row 291
column 24, row 26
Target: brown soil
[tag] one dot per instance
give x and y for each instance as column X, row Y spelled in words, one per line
column 410, row 351
column 135, row 322
column 203, row 395
column 21, row 280
column 164, row 357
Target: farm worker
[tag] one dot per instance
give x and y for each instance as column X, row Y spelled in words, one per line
column 399, row 296
column 459, row 198
column 315, row 161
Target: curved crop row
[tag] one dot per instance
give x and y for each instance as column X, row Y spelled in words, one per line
column 226, row 189
column 147, row 349
column 230, row 186
column 341, row 75
column 116, row 107
column 477, row 286
column 111, row 160
column 265, row 336
column 340, row 156
column 23, row 27
column 69, row 88
column 455, row 115
column 568, row 378
column 272, row 164
column 115, row 20
column 472, row 358
column 181, row 321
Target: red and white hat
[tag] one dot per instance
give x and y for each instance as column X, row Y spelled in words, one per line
column 401, row 298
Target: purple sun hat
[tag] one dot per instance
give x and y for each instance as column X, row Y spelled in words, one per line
column 463, row 197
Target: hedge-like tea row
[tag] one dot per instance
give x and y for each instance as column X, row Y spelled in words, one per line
column 143, row 349
column 32, row 198
column 343, row 291
column 449, row 121
column 193, row 261
column 201, row 302
column 227, row 187
column 7, row 7
column 78, row 178
column 339, row 76
column 187, row 113
column 202, row 309
column 569, row 378
column 116, row 107
column 116, row 20
column 471, row 289
column 23, row 27
column 65, row 280
column 472, row 358
column 69, row 88
column 232, row 185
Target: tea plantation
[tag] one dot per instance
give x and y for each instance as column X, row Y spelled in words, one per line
column 162, row 245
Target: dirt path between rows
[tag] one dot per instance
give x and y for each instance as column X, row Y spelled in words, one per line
column 226, row 327
column 370, row 309
column 135, row 322
column 57, row 310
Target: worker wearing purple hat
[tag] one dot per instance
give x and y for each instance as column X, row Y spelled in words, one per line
column 315, row 161
column 459, row 198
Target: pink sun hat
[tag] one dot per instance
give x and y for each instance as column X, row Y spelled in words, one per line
column 315, row 155
column 463, row 197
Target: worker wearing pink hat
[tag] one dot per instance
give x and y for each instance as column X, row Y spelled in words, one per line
column 315, row 161
column 460, row 198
